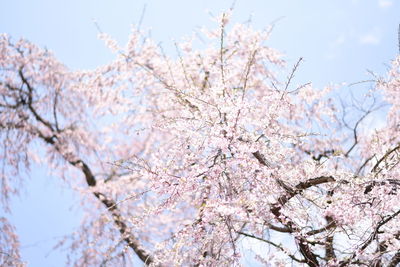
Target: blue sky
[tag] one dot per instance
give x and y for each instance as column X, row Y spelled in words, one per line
column 339, row 41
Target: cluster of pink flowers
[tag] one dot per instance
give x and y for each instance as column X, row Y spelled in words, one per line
column 182, row 160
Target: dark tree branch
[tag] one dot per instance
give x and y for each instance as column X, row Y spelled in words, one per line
column 329, row 249
column 279, row 229
column 355, row 136
column 309, row 256
column 395, row 261
column 55, row 111
column 30, row 102
column 330, row 225
column 372, row 237
column 127, row 235
column 387, row 154
column 364, row 164
column 395, row 183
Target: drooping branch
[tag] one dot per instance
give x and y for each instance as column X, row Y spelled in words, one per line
column 127, row 235
column 110, row 204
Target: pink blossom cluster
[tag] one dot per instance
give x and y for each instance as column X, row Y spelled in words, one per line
column 183, row 160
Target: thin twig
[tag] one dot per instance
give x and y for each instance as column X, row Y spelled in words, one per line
column 291, row 76
column 273, row 244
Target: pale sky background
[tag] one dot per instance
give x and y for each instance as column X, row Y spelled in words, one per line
column 339, row 41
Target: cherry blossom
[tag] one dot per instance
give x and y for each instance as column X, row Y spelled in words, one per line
column 182, row 159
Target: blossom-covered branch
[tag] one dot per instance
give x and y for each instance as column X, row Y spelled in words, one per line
column 186, row 158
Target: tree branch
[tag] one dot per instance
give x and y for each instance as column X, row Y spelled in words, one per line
column 371, row 237
column 375, row 168
column 76, row 162
column 395, row 260
column 273, row 244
